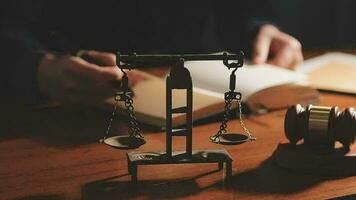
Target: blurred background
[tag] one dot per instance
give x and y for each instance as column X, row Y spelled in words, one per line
column 317, row 23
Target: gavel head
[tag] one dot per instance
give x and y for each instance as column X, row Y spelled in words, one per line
column 320, row 126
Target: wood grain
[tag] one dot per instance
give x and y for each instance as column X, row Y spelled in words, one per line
column 53, row 153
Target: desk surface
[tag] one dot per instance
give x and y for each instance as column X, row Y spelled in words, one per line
column 54, row 154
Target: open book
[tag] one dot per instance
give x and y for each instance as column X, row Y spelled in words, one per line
column 263, row 88
column 332, row 72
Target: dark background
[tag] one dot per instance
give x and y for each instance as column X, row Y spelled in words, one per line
column 30, row 28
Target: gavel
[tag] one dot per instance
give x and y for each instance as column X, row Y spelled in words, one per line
column 320, row 126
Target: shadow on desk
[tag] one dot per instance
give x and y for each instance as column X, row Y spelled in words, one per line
column 111, row 188
column 43, row 197
column 268, row 178
column 301, row 174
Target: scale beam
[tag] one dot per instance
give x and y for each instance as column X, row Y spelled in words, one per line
column 156, row 60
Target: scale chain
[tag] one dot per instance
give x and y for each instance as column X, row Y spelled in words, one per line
column 216, row 138
column 110, row 121
column 228, row 104
column 243, row 126
column 134, row 129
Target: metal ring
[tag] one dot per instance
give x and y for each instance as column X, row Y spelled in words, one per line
column 319, row 124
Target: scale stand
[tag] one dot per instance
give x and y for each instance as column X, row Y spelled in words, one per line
column 179, row 79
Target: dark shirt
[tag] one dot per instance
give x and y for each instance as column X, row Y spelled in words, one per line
column 28, row 29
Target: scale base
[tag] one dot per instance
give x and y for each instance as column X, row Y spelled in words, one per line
column 219, row 156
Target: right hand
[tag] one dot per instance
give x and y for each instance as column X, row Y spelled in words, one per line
column 73, row 80
column 277, row 48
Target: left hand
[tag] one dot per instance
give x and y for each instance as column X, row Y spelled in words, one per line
column 277, row 48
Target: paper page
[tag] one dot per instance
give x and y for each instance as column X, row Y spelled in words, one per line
column 315, row 63
column 213, row 76
column 332, row 71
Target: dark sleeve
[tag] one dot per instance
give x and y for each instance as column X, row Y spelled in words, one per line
column 20, row 49
column 239, row 21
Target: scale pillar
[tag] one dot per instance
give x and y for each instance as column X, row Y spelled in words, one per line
column 179, row 79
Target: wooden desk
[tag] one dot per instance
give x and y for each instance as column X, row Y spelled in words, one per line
column 54, row 154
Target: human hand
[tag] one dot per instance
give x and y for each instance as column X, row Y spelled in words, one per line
column 73, row 80
column 277, row 48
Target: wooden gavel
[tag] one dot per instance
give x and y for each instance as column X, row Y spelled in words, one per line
column 320, row 126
